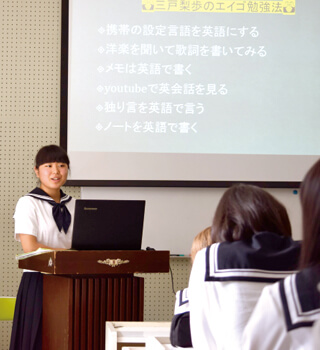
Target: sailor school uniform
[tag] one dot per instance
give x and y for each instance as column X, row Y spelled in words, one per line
column 34, row 215
column 182, row 302
column 285, row 313
column 180, row 335
column 226, row 281
column 51, row 223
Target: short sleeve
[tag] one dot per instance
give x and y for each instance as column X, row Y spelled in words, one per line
column 25, row 218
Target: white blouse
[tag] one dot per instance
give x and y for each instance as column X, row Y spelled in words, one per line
column 284, row 316
column 219, row 310
column 34, row 217
column 226, row 282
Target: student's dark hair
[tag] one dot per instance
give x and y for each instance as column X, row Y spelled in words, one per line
column 50, row 154
column 310, row 204
column 245, row 210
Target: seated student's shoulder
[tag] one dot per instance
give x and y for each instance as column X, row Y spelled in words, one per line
column 200, row 259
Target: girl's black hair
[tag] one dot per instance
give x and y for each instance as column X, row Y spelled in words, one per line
column 245, row 210
column 51, row 154
column 310, row 203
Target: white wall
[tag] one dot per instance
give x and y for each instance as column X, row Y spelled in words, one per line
column 174, row 216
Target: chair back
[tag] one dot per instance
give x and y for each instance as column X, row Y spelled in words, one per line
column 7, row 305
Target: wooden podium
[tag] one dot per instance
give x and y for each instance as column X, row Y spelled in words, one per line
column 84, row 289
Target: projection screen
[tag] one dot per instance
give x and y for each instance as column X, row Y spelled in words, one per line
column 201, row 93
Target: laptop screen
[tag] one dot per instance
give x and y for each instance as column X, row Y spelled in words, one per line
column 108, row 224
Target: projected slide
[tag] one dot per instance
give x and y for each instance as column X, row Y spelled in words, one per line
column 156, row 88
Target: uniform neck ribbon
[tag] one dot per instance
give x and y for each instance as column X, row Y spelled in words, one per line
column 60, row 212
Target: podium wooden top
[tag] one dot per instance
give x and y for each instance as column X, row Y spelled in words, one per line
column 98, row 262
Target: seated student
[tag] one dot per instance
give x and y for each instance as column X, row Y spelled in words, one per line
column 255, row 249
column 286, row 311
column 201, row 240
column 180, row 326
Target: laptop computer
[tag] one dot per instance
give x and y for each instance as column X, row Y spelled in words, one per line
column 108, row 224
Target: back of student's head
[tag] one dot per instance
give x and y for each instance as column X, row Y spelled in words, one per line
column 245, row 210
column 201, row 240
column 310, row 203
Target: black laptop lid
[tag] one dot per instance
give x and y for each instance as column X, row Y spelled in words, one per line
column 108, row 224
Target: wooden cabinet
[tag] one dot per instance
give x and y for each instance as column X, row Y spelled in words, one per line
column 84, row 289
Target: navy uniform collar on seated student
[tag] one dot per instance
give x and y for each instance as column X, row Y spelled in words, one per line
column 60, row 212
column 300, row 298
column 266, row 257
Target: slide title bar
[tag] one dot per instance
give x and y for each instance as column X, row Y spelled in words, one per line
column 224, row 6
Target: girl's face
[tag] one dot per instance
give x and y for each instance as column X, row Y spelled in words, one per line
column 52, row 176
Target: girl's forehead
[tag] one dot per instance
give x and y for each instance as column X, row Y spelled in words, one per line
column 53, row 161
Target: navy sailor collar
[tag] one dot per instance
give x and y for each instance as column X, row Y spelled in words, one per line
column 300, row 298
column 60, row 212
column 42, row 195
column 266, row 257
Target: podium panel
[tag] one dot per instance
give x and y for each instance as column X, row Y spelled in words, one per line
column 84, row 289
column 76, row 309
